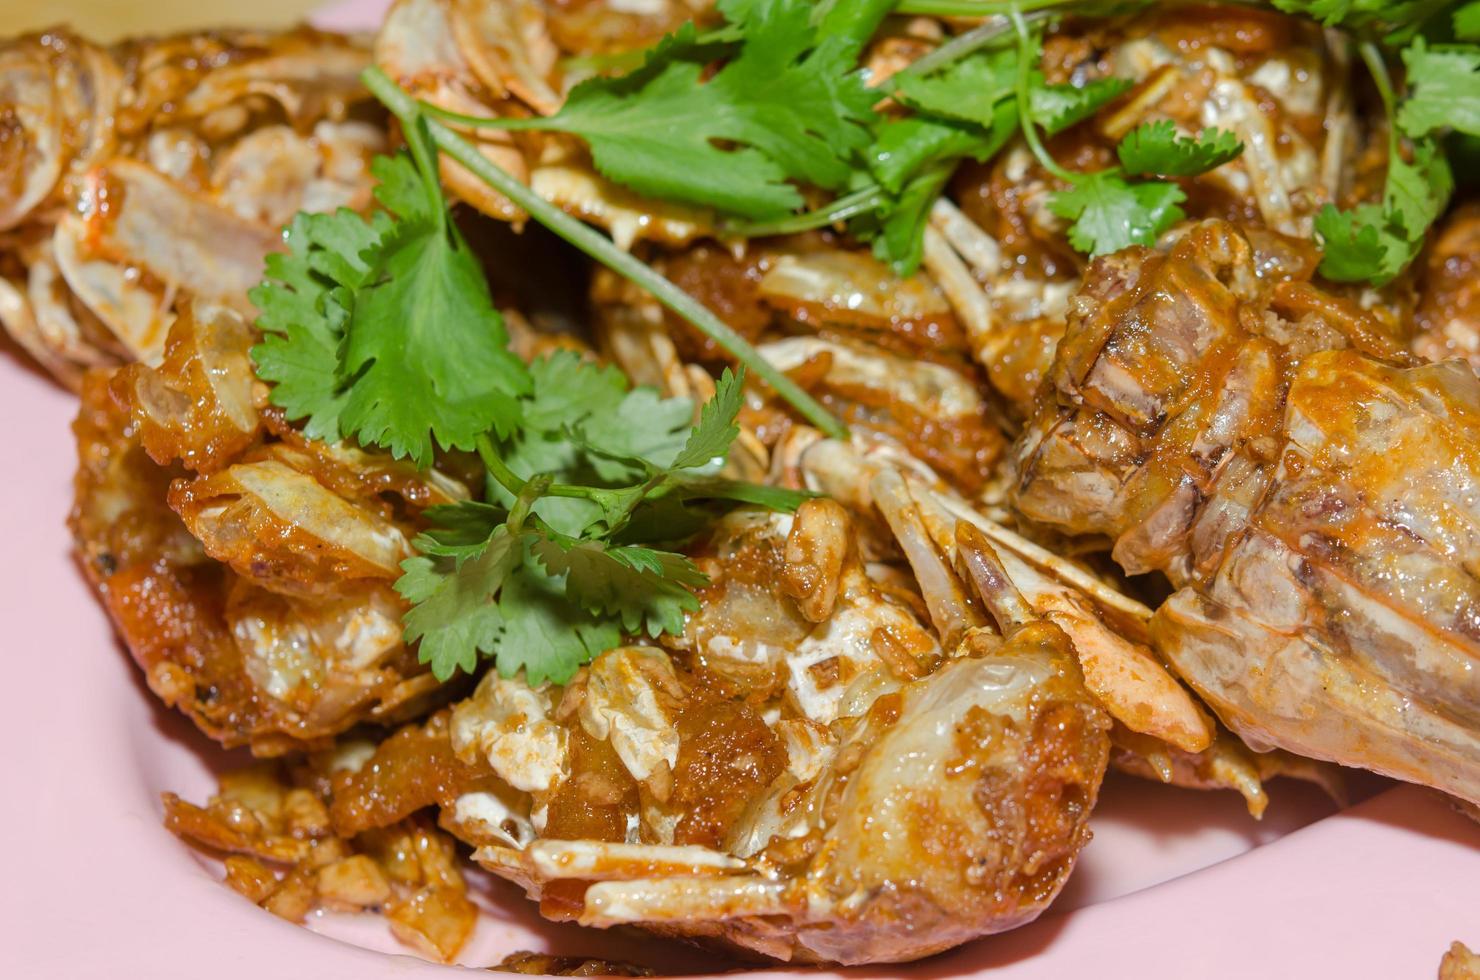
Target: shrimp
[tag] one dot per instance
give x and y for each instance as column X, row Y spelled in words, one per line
column 1307, row 486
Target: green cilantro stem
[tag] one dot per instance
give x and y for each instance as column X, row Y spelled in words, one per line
column 841, row 209
column 1025, row 65
column 483, row 122
column 958, row 47
column 973, row 8
column 420, row 151
column 497, row 468
column 603, row 250
column 516, row 484
column 1372, row 58
column 532, row 491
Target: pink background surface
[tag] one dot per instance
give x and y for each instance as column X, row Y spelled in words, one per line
column 1175, row 884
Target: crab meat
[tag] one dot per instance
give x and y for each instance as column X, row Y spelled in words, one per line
column 969, row 744
column 282, row 528
column 272, row 173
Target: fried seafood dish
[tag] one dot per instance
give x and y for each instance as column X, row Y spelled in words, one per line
column 966, row 399
column 1315, row 508
column 153, row 170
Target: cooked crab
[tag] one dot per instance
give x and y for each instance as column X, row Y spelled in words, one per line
column 160, row 168
column 837, row 791
column 748, row 783
column 1447, row 319
column 882, row 731
column 248, row 570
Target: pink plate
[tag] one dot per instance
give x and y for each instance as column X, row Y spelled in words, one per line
column 1175, row 883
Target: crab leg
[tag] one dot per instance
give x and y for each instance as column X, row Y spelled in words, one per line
column 1123, row 673
column 588, row 860
column 950, row 607
column 1042, row 558
column 990, row 578
column 682, row 900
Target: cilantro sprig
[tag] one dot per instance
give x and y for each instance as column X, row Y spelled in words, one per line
column 382, row 330
column 966, row 100
column 1110, row 211
column 1155, row 148
column 746, row 118
column 602, row 249
column 548, row 573
column 1375, row 242
column 787, row 105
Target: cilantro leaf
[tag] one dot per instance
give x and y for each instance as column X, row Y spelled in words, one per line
column 583, row 426
column 461, row 530
column 1328, row 12
column 1110, row 213
column 968, row 90
column 1360, row 245
column 426, row 354
column 711, row 438
column 1155, row 148
column 1467, row 21
column 556, row 454
column 642, row 587
column 495, row 600
column 1354, row 14
column 566, row 389
column 1443, row 89
column 790, row 102
column 897, row 229
column 904, row 147
column 544, row 633
column 1057, row 107
column 855, row 21
column 913, row 158
column 302, row 302
column 1373, row 243
column 644, row 431
column 1416, row 193
column 384, row 329
column 454, row 614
